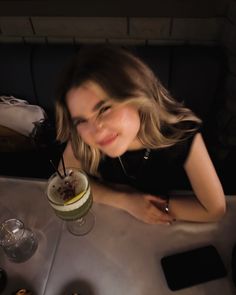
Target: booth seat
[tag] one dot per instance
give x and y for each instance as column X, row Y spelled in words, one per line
column 193, row 74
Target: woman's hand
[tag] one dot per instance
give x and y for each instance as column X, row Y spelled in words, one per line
column 144, row 207
column 147, row 208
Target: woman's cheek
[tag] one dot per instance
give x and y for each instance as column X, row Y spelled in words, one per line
column 129, row 119
column 82, row 132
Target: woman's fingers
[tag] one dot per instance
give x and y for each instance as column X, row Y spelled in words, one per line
column 160, row 216
column 157, row 208
column 149, row 209
column 155, row 199
column 154, row 215
column 156, row 220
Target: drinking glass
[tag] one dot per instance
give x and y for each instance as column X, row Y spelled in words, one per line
column 19, row 243
column 71, row 198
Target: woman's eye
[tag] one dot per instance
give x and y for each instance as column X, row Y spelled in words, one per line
column 77, row 122
column 104, row 109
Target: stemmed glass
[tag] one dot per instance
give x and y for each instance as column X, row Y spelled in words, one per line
column 71, row 198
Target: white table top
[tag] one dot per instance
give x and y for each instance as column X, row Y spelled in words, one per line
column 119, row 256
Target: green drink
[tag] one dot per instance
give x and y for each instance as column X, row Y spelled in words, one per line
column 71, row 199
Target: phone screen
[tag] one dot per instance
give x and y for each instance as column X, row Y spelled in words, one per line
column 193, row 267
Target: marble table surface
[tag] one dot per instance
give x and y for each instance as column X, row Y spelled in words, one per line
column 121, row 255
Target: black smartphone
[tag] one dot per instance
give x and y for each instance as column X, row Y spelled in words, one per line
column 192, row 267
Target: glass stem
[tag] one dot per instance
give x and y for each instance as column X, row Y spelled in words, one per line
column 81, row 221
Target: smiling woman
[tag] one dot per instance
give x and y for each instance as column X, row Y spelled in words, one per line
column 101, row 122
column 123, row 127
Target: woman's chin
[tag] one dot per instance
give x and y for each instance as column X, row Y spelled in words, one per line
column 114, row 153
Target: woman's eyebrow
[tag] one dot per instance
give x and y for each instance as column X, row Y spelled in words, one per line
column 94, row 109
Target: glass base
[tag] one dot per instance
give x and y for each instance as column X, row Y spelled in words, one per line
column 23, row 249
column 82, row 226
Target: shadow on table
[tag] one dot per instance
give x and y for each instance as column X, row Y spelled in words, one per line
column 16, row 283
column 80, row 287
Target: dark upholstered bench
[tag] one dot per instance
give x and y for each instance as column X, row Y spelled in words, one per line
column 191, row 73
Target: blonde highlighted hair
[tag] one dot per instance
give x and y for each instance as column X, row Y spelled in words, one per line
column 126, row 79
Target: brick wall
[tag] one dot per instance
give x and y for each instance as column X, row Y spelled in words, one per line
column 134, row 30
column 128, row 22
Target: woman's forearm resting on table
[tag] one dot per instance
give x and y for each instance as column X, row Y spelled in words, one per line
column 146, row 208
column 185, row 208
column 188, row 208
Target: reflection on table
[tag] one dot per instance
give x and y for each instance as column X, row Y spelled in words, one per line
column 119, row 256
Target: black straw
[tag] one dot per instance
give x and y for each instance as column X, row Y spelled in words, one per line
column 58, row 172
column 63, row 164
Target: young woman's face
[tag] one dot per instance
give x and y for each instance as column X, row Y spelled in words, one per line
column 101, row 122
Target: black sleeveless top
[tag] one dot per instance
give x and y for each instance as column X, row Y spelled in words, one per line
column 161, row 172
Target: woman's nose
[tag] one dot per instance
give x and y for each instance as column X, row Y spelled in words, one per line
column 97, row 124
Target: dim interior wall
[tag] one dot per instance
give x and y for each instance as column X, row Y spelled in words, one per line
column 130, row 30
column 130, row 22
column 227, row 115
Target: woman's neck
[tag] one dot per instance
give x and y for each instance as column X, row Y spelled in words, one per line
column 136, row 145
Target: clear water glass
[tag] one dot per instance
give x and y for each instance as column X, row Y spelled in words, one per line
column 18, row 243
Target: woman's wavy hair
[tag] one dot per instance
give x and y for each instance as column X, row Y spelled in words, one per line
column 126, row 79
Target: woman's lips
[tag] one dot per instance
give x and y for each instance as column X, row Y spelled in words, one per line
column 107, row 140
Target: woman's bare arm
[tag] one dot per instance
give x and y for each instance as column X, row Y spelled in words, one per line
column 137, row 204
column 209, row 203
